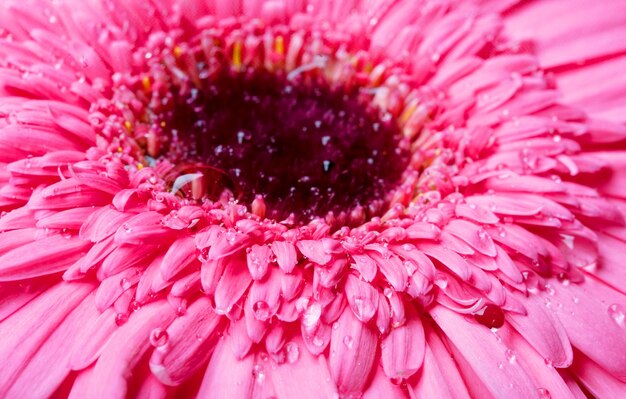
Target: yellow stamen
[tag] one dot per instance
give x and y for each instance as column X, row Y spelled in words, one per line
column 177, row 51
column 162, row 124
column 408, row 111
column 120, row 149
column 128, row 125
column 147, row 85
column 279, row 45
column 139, row 166
column 237, row 50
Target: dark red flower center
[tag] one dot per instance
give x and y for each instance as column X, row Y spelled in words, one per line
column 307, row 148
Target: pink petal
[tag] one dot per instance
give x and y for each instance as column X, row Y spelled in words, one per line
column 583, row 30
column 45, row 256
column 402, row 351
column 362, row 297
column 125, row 349
column 315, row 251
column 449, row 259
column 598, row 381
column 543, row 331
column 258, row 259
column 439, row 376
column 605, row 344
column 55, row 350
column 353, row 347
column 303, row 376
column 381, row 387
column 226, row 376
column 90, row 340
column 473, row 235
column 483, row 354
column 25, row 331
column 180, row 254
column 286, row 255
column 232, row 285
column 188, row 345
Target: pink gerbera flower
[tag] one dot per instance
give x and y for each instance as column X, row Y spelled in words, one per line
column 312, row 199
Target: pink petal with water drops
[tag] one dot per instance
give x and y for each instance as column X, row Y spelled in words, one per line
column 286, row 255
column 362, row 297
column 125, row 348
column 187, row 344
column 227, row 376
column 353, row 349
column 483, row 354
column 402, row 351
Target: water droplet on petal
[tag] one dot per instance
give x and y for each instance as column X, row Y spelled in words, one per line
column 258, row 372
column 616, row 312
column 491, row 316
column 293, row 352
column 121, row 318
column 510, row 355
column 125, row 284
column 348, row 341
column 544, row 393
column 261, row 310
column 159, row 337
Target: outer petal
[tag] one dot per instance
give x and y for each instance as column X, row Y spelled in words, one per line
column 353, row 348
column 402, row 351
column 483, row 354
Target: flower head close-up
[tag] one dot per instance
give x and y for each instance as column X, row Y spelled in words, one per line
column 313, row 199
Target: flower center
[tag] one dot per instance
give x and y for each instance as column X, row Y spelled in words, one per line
column 306, row 148
column 309, row 131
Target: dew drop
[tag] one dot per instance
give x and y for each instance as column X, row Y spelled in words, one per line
column 181, row 309
column 258, row 372
column 127, row 228
column 544, row 393
column 491, row 316
column 549, row 289
column 510, row 355
column 293, row 352
column 121, row 318
column 125, row 284
column 616, row 312
column 159, row 337
column 348, row 341
column 261, row 310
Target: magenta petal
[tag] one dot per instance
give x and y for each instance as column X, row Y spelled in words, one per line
column 483, row 354
column 187, row 344
column 180, row 254
column 605, row 344
column 46, row 256
column 125, row 348
column 303, row 376
column 439, row 376
column 353, row 348
column 232, row 285
column 402, row 351
column 25, row 331
column 56, row 349
column 286, row 255
column 227, row 376
column 543, row 331
column 362, row 297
